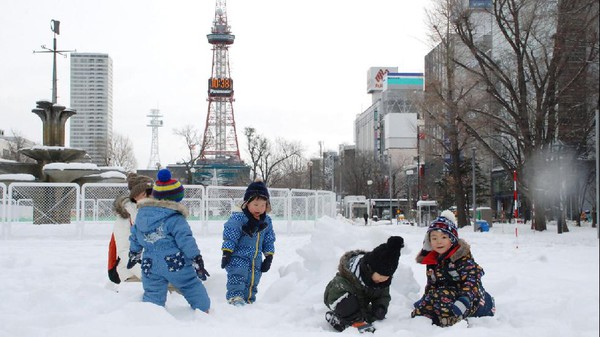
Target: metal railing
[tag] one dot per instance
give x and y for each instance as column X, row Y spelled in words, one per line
column 88, row 209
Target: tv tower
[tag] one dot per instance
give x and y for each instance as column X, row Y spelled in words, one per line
column 155, row 123
column 220, row 139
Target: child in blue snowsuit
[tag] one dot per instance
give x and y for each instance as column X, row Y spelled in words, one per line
column 247, row 235
column 170, row 252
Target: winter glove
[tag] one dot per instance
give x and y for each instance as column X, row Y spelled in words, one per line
column 379, row 312
column 225, row 259
column 198, row 264
column 134, row 258
column 266, row 265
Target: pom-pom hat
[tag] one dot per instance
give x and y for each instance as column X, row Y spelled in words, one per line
column 166, row 188
column 445, row 223
column 137, row 183
column 384, row 258
column 256, row 189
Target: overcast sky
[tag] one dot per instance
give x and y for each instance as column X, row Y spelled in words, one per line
column 299, row 67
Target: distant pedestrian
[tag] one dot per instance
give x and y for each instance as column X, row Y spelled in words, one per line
column 366, row 217
column 247, row 236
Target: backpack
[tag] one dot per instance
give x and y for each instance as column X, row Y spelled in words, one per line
column 113, row 261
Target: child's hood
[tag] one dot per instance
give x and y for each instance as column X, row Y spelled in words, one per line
column 152, row 212
column 463, row 250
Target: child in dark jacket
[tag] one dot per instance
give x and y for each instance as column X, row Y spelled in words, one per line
column 247, row 235
column 170, row 252
column 453, row 291
column 359, row 294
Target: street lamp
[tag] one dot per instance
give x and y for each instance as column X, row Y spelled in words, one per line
column 191, row 177
column 473, row 183
column 369, row 210
column 310, row 165
column 408, row 174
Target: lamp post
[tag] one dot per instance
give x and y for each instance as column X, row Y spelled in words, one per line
column 369, row 210
column 473, row 191
column 191, row 178
column 408, row 174
column 310, row 165
column 390, row 180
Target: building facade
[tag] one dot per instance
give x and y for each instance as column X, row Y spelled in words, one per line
column 91, row 127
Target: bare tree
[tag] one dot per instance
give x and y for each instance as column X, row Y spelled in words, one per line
column 15, row 143
column 448, row 94
column 120, row 152
column 268, row 161
column 194, row 144
column 257, row 148
column 526, row 76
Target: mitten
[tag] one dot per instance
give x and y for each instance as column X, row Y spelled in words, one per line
column 226, row 258
column 460, row 306
column 266, row 265
column 134, row 258
column 426, row 243
column 379, row 312
column 198, row 264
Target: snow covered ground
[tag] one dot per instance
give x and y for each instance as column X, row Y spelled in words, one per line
column 545, row 284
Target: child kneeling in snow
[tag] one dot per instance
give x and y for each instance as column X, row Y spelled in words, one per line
column 359, row 294
column 453, row 291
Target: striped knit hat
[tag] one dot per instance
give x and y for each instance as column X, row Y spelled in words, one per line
column 167, row 188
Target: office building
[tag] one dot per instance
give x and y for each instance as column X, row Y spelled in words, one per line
column 91, row 96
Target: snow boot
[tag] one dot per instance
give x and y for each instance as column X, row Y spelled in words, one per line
column 336, row 322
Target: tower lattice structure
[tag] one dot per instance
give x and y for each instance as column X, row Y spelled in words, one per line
column 155, row 123
column 220, row 138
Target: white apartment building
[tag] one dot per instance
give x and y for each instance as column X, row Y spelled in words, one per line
column 91, row 96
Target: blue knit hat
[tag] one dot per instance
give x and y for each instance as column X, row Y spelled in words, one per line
column 167, row 188
column 256, row 189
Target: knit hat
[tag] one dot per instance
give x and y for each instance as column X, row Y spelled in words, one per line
column 384, row 258
column 167, row 188
column 256, row 189
column 445, row 223
column 137, row 183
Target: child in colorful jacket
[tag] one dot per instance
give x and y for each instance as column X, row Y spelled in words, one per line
column 247, row 235
column 170, row 252
column 359, row 294
column 453, row 291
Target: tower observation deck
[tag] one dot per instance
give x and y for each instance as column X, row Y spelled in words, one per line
column 220, row 140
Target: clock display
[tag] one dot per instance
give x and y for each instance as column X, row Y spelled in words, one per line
column 220, row 86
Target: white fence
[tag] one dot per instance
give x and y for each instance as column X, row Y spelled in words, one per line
column 88, row 210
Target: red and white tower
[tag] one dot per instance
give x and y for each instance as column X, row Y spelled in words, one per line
column 220, row 139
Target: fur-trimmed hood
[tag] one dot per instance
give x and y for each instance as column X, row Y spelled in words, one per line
column 344, row 262
column 119, row 206
column 175, row 206
column 464, row 249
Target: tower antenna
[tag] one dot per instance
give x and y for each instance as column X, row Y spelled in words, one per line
column 220, row 138
column 155, row 123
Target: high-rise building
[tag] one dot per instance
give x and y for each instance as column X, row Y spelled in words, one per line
column 91, row 96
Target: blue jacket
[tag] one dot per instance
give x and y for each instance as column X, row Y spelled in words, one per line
column 248, row 246
column 161, row 229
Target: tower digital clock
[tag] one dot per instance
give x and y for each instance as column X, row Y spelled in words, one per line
column 220, row 86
